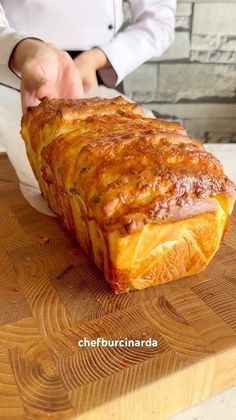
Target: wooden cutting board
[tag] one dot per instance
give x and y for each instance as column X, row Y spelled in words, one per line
column 51, row 296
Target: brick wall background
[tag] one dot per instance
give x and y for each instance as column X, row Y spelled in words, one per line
column 195, row 80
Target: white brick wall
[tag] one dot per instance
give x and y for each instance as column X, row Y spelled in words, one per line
column 211, row 18
column 179, row 82
column 179, row 50
column 195, row 80
column 141, row 85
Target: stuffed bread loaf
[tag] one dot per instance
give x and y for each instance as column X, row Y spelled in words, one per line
column 146, row 202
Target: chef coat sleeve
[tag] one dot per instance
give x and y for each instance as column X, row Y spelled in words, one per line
column 149, row 34
column 9, row 38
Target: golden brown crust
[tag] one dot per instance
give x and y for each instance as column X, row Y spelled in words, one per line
column 147, row 203
column 67, row 113
column 129, row 170
column 41, row 124
column 139, row 176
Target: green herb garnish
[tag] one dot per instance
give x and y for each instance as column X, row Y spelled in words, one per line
column 72, row 190
column 84, row 170
column 96, row 199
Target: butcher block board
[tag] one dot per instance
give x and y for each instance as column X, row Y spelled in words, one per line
column 51, row 296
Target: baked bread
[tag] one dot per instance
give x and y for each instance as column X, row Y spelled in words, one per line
column 146, row 202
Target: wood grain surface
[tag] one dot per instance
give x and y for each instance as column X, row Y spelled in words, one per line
column 51, row 296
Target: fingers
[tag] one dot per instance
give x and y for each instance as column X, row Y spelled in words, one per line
column 69, row 79
column 87, row 72
column 90, row 83
column 75, row 89
column 28, row 99
column 52, row 74
column 33, row 77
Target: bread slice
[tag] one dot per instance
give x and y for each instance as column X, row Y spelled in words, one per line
column 146, row 202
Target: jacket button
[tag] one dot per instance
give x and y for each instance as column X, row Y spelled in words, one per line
column 110, row 27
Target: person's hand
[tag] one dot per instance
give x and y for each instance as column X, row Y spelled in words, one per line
column 45, row 71
column 87, row 64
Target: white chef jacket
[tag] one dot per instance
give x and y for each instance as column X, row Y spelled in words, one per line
column 83, row 24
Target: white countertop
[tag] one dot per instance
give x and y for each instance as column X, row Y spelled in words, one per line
column 221, row 406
